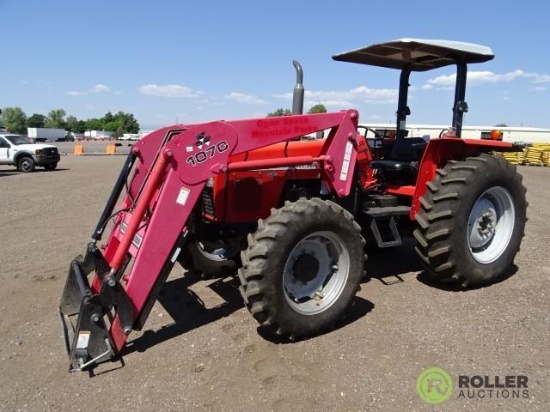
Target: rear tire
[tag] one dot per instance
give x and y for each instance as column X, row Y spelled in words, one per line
column 25, row 164
column 302, row 268
column 471, row 221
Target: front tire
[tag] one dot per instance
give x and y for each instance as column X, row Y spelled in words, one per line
column 471, row 221
column 302, row 268
column 25, row 164
column 211, row 259
column 50, row 167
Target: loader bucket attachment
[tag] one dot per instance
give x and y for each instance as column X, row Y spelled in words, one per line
column 85, row 315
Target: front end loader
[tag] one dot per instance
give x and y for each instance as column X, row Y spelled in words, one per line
column 111, row 289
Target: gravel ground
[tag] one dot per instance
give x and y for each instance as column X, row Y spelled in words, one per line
column 206, row 353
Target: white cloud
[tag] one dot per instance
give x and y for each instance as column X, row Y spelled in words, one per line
column 99, row 88
column 168, row 90
column 441, row 81
column 347, row 98
column 244, row 98
column 490, row 77
column 328, row 103
column 479, row 77
column 375, row 95
column 538, row 78
column 329, row 96
column 538, row 89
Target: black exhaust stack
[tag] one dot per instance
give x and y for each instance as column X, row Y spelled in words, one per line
column 298, row 95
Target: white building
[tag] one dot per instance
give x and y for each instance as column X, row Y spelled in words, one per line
column 510, row 134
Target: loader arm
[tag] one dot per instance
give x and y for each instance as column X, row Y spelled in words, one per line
column 110, row 291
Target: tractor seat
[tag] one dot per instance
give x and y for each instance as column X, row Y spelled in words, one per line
column 405, row 155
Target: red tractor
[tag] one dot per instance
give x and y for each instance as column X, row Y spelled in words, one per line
column 291, row 215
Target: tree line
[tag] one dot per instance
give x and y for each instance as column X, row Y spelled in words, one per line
column 16, row 121
column 318, row 108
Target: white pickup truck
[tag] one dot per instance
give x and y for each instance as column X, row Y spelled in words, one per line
column 23, row 153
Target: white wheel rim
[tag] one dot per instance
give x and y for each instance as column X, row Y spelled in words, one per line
column 26, row 165
column 217, row 255
column 491, row 224
column 324, row 285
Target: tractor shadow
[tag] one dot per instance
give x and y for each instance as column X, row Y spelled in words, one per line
column 188, row 310
column 390, row 266
column 393, row 265
column 426, row 279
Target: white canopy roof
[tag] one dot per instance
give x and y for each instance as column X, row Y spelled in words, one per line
column 420, row 54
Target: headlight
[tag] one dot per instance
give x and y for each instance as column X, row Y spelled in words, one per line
column 39, row 152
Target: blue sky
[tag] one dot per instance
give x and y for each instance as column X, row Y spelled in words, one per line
column 188, row 61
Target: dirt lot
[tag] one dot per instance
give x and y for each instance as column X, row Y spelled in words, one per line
column 208, row 355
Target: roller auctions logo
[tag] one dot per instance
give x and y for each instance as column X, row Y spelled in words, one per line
column 434, row 386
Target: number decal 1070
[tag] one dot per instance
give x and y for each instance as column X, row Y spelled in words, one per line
column 208, row 153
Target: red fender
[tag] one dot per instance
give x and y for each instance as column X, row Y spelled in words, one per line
column 440, row 151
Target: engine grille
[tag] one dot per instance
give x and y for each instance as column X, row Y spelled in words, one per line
column 50, row 151
column 207, row 202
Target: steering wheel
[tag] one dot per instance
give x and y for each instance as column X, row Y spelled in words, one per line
column 378, row 139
